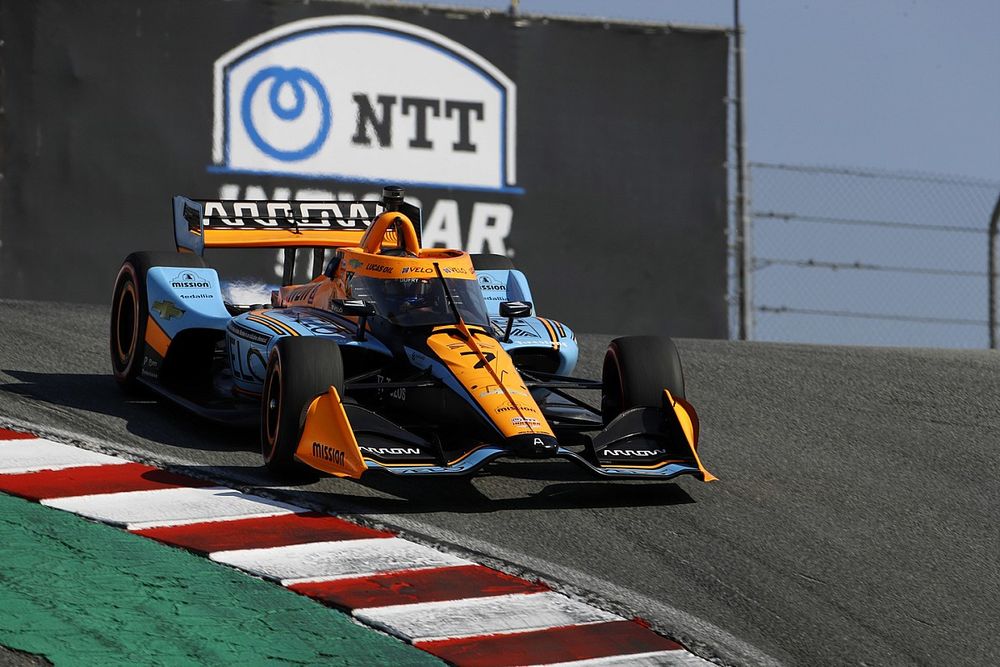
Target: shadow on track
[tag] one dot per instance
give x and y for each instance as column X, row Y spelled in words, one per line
column 464, row 495
column 562, row 485
column 459, row 497
column 145, row 416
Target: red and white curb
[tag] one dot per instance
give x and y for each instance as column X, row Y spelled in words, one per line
column 460, row 611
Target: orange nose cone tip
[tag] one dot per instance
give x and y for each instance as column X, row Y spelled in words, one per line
column 533, row 445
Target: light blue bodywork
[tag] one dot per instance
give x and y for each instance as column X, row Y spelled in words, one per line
column 202, row 305
column 184, row 298
column 499, row 285
column 248, row 353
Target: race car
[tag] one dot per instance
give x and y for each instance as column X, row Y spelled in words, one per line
column 394, row 358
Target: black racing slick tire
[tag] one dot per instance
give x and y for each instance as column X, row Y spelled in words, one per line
column 636, row 371
column 298, row 370
column 488, row 262
column 130, row 309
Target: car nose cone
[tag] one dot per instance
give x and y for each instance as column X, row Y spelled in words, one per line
column 535, row 446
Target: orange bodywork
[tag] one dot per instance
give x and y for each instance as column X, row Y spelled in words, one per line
column 386, row 226
column 156, row 338
column 301, row 236
column 475, row 358
column 487, row 372
column 466, row 358
column 327, row 442
column 367, row 260
column 688, row 419
column 278, row 238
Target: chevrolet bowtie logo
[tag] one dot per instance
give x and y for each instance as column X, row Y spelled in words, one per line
column 168, row 310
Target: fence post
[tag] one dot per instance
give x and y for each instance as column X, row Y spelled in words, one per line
column 742, row 213
column 992, row 273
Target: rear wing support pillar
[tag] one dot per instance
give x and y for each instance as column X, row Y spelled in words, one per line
column 189, row 229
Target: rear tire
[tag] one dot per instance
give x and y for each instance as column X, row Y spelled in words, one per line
column 488, row 262
column 130, row 310
column 298, row 370
column 636, row 371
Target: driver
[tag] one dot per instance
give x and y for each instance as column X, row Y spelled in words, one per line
column 412, row 296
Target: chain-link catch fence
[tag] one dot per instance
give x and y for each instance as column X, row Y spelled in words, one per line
column 858, row 256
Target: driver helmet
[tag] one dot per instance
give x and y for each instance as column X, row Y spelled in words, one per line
column 409, row 293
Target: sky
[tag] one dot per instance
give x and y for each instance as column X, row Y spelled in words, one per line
column 898, row 85
column 893, row 84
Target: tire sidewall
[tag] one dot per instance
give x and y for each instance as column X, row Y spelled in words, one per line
column 126, row 366
column 271, row 417
column 635, row 372
column 298, row 370
column 133, row 272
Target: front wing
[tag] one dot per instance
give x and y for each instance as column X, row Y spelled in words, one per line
column 642, row 443
column 481, row 456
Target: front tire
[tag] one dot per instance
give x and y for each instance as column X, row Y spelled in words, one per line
column 298, row 370
column 636, row 371
column 130, row 310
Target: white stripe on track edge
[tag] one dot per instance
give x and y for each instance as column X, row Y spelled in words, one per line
column 322, row 561
column 676, row 658
column 37, row 454
column 727, row 646
column 679, row 625
column 171, row 507
column 501, row 614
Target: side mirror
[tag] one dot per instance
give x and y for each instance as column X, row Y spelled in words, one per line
column 354, row 308
column 511, row 310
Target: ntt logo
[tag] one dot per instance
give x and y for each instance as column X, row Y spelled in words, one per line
column 362, row 98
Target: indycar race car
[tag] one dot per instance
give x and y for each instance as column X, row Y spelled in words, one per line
column 395, row 358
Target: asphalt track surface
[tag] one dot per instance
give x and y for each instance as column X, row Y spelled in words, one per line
column 854, row 523
column 10, row 658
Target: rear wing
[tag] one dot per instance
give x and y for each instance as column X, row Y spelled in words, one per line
column 214, row 223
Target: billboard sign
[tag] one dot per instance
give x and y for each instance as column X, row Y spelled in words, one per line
column 364, row 99
column 592, row 154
